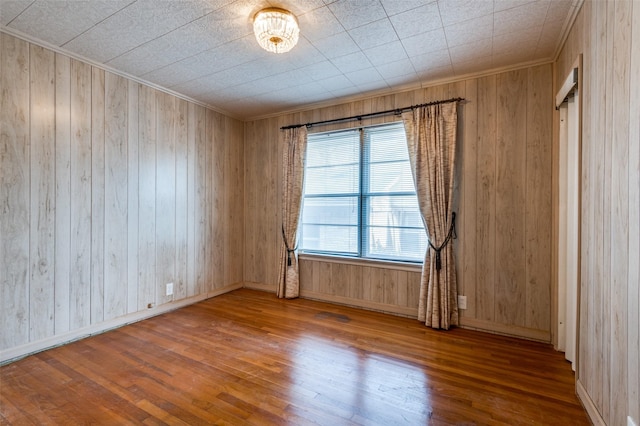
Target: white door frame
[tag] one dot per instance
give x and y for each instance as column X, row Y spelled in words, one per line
column 569, row 216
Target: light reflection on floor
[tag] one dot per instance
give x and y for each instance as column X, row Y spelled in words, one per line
column 365, row 387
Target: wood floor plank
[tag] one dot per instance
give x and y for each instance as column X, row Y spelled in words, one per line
column 248, row 358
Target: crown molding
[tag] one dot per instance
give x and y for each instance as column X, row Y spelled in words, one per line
column 402, row 89
column 577, row 5
column 566, row 28
column 62, row 51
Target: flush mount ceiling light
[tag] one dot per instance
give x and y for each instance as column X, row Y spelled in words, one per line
column 276, row 29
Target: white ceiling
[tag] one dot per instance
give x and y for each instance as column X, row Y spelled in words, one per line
column 205, row 49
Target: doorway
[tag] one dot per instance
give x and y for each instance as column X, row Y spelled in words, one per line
column 569, row 189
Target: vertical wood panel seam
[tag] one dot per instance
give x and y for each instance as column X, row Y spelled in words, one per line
column 495, row 199
column 29, row 135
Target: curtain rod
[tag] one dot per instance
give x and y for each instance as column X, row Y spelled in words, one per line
column 396, row 111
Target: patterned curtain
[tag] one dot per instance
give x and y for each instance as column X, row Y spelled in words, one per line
column 292, row 184
column 431, row 139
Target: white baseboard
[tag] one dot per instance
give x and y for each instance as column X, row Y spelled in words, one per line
column 15, row 353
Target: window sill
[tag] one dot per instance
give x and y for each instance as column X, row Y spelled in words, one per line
column 359, row 261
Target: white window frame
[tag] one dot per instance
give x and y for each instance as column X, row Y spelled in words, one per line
column 363, row 197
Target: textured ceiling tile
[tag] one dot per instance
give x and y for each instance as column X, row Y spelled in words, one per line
column 337, row 82
column 476, row 65
column 9, row 9
column 435, row 73
column 390, row 52
column 302, row 55
column 520, row 18
column 352, row 14
column 416, row 21
column 223, row 25
column 426, row 42
column 248, row 71
column 469, row 31
column 527, row 39
column 204, row 84
column 367, row 75
column 214, row 83
column 134, row 25
column 244, row 108
column 513, row 57
column 175, row 75
column 470, row 51
column 294, row 95
column 372, row 86
column 499, row 5
column 277, row 67
column 396, row 69
column 403, row 80
column 263, row 85
column 224, row 100
column 553, row 28
column 505, row 51
column 352, row 62
column 234, row 52
column 296, row 77
column 300, row 7
column 313, row 90
column 237, row 92
column 437, row 59
column 319, row 24
column 455, row 11
column 546, row 47
column 336, row 45
column 145, row 58
column 549, row 37
column 205, row 49
column 320, row 70
column 374, row 34
column 184, row 42
column 259, row 87
column 393, row 7
column 215, row 5
column 209, row 62
column 559, row 9
column 60, row 21
column 338, row 94
column 194, row 88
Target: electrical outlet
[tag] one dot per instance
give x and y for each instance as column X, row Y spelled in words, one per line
column 169, row 291
column 630, row 421
column 462, row 302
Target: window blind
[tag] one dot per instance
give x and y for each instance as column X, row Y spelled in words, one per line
column 359, row 196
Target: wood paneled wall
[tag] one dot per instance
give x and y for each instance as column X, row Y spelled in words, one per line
column 377, row 286
column 109, row 191
column 503, row 198
column 607, row 34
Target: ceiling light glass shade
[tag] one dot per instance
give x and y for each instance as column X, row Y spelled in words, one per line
column 276, row 30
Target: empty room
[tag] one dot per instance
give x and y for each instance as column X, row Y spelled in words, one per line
column 320, row 212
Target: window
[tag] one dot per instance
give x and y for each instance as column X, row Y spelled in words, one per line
column 359, row 197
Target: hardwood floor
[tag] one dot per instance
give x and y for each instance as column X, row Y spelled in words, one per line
column 248, row 358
